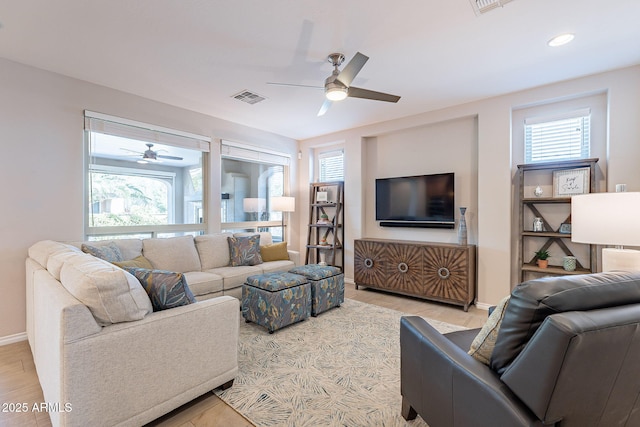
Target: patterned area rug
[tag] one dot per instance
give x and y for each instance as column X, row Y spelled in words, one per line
column 341, row 368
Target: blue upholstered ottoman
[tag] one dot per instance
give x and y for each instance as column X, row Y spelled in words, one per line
column 275, row 300
column 327, row 286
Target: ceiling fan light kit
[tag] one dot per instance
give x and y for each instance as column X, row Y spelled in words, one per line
column 336, row 93
column 338, row 85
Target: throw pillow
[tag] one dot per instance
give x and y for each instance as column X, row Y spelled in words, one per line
column 166, row 289
column 138, row 262
column 245, row 250
column 274, row 252
column 483, row 344
column 109, row 252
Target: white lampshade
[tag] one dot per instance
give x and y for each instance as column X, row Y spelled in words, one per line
column 608, row 219
column 254, row 204
column 283, row 204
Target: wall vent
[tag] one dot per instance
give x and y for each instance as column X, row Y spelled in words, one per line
column 484, row 6
column 248, row 97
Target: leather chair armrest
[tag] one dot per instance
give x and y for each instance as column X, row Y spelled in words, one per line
column 447, row 387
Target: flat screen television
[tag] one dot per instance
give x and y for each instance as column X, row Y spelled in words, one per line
column 416, row 201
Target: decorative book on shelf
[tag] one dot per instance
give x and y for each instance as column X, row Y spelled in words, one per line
column 325, row 234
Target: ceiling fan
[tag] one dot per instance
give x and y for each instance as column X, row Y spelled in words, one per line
column 150, row 155
column 338, row 85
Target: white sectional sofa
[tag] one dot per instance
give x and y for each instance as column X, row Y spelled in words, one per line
column 100, row 351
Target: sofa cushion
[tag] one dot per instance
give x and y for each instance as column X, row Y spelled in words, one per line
column 166, row 289
column 109, row 252
column 484, row 343
column 203, row 282
column 213, row 250
column 244, row 250
column 137, row 262
column 42, row 250
column 58, row 259
column 177, row 254
column 271, row 266
column 111, row 294
column 274, row 252
column 236, row 276
column 532, row 301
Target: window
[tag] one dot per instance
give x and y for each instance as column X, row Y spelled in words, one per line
column 142, row 180
column 250, row 179
column 331, row 166
column 563, row 137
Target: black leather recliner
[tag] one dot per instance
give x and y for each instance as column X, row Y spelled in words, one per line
column 567, row 354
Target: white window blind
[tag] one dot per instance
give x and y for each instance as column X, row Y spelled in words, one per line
column 233, row 150
column 560, row 137
column 117, row 126
column 331, row 166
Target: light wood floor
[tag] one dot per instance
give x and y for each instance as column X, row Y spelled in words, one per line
column 19, row 382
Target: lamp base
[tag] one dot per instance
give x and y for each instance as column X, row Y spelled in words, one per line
column 620, row 259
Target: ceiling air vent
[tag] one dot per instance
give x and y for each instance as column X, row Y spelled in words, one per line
column 484, row 6
column 248, row 97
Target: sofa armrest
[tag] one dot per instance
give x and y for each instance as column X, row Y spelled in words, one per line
column 294, row 256
column 139, row 370
column 446, row 386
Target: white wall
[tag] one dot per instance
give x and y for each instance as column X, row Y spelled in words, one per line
column 41, row 117
column 493, row 160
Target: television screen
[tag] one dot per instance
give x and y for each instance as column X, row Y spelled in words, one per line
column 425, row 199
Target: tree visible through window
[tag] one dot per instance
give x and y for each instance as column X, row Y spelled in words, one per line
column 123, row 200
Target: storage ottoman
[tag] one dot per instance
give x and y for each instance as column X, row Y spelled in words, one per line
column 327, row 286
column 275, row 300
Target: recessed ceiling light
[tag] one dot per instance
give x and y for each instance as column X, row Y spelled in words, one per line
column 560, row 40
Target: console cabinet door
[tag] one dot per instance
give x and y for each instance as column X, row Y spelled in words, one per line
column 404, row 268
column 446, row 272
column 369, row 263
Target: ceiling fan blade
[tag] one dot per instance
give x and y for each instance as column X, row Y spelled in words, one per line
column 169, row 157
column 324, row 108
column 354, row 66
column 132, row 151
column 356, row 92
column 294, row 85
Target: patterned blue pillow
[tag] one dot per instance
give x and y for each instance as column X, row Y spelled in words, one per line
column 166, row 289
column 245, row 250
column 109, row 252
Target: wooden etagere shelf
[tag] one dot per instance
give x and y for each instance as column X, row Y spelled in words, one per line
column 551, row 235
column 325, row 237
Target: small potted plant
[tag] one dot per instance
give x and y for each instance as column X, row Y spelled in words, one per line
column 542, row 256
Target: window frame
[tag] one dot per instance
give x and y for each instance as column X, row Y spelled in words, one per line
column 112, row 125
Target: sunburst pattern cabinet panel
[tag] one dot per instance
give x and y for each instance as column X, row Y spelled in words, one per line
column 447, row 272
column 369, row 263
column 404, row 268
column 435, row 271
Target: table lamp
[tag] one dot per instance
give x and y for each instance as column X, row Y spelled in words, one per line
column 608, row 219
column 283, row 204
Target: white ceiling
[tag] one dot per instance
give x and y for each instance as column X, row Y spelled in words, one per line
column 196, row 54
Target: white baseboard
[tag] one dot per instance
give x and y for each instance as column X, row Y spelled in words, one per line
column 10, row 339
column 483, row 305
